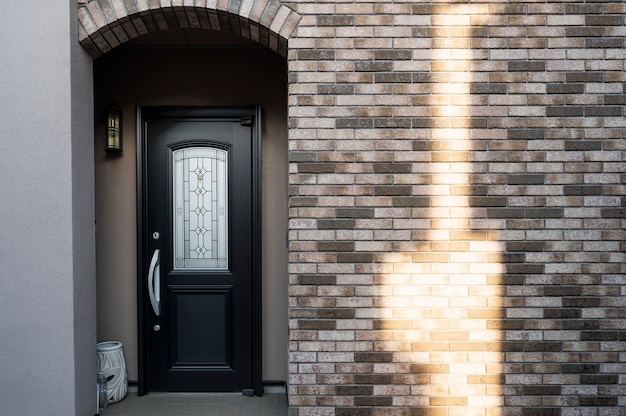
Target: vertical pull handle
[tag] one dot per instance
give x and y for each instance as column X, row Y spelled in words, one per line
column 154, row 283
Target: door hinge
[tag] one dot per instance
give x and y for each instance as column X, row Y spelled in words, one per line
column 246, row 121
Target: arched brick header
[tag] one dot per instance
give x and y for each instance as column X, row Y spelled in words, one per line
column 106, row 24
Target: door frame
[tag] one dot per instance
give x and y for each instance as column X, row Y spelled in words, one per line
column 251, row 116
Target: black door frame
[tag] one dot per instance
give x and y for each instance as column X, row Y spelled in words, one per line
column 251, row 116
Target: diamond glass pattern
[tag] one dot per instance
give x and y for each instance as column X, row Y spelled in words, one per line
column 200, row 189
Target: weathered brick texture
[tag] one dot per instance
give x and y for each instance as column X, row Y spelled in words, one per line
column 106, row 24
column 457, row 208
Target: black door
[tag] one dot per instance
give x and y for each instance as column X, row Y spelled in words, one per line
column 200, row 258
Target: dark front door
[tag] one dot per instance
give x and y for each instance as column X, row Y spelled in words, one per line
column 200, row 260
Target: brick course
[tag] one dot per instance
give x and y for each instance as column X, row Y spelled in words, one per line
column 105, row 24
column 498, row 212
column 457, row 199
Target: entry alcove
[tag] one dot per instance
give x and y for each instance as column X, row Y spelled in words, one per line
column 187, row 68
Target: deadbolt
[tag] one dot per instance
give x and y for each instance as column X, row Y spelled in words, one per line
column 157, row 328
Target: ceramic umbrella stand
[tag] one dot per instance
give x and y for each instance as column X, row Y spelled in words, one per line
column 111, row 363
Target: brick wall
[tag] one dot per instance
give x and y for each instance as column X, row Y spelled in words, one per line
column 457, row 211
column 457, row 199
column 105, row 24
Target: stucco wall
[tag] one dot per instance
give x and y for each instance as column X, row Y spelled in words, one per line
column 191, row 77
column 47, row 253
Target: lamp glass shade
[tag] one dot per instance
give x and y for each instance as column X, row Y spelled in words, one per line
column 114, row 132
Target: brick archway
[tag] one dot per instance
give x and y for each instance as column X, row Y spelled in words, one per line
column 106, row 24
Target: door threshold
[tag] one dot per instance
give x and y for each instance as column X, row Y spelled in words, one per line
column 194, row 393
column 279, row 388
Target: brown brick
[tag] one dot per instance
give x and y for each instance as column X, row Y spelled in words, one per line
column 355, row 123
column 524, row 268
column 317, row 279
column 336, row 224
column 373, row 401
column 615, row 99
column 525, row 246
column 336, row 89
column 392, row 190
column 392, row 167
column 592, row 20
column 487, row 201
column 354, row 411
column 373, row 357
column 412, row 201
column 526, row 66
column 373, row 379
column 429, row 368
column 335, row 246
column 355, row 213
column 565, row 111
column 506, row 213
column 373, row 66
column 392, row 54
column 544, row 213
column 316, row 324
column 355, row 390
column 429, row 411
column 316, row 167
column 598, row 401
column 541, row 411
column 316, row 55
column 526, row 134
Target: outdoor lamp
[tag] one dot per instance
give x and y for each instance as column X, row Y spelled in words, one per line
column 114, row 131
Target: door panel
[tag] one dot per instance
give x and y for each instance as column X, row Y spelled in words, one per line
column 202, row 341
column 199, row 212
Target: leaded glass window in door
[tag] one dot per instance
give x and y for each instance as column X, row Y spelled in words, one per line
column 200, row 190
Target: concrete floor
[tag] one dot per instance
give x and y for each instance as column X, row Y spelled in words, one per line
column 198, row 404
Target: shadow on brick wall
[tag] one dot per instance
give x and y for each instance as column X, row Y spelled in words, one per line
column 490, row 283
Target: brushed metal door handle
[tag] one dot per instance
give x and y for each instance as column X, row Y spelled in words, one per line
column 154, row 283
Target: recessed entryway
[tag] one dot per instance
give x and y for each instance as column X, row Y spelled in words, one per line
column 152, row 74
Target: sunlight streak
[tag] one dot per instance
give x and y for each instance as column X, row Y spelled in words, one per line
column 450, row 293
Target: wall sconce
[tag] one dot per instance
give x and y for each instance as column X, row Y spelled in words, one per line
column 114, row 131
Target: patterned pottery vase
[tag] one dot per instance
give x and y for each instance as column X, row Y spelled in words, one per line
column 111, row 363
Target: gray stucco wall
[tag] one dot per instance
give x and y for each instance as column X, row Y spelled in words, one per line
column 47, row 320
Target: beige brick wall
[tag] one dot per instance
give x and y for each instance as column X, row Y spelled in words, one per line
column 457, row 201
column 106, row 24
column 457, row 209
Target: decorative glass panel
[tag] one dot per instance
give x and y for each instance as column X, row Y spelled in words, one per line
column 200, row 208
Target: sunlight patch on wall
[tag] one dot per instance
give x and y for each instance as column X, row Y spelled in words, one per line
column 446, row 303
